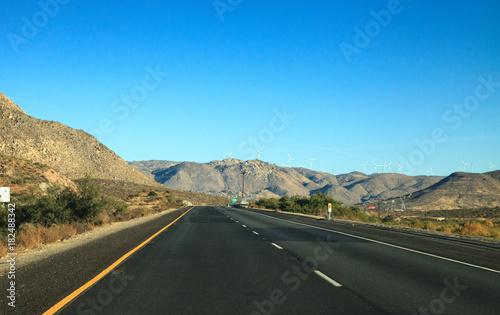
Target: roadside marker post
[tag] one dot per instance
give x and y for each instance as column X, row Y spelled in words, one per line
column 4, row 194
column 329, row 211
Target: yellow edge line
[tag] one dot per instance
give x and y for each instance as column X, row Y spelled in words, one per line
column 87, row 285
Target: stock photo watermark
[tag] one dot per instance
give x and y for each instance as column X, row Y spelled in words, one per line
column 96, row 305
column 123, row 105
column 266, row 135
column 294, row 277
column 363, row 36
column 454, row 118
column 447, row 296
column 31, row 26
column 11, row 252
column 224, row 6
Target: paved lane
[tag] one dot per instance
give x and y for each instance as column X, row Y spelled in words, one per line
column 391, row 278
column 207, row 263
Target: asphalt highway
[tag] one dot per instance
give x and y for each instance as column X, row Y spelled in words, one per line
column 218, row 260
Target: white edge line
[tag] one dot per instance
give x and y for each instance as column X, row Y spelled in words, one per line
column 277, row 246
column 387, row 244
column 328, row 279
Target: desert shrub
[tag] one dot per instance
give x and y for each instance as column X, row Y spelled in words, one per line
column 52, row 208
column 18, row 181
column 120, row 207
column 89, row 202
column 268, row 203
column 102, row 219
column 60, row 206
column 317, row 205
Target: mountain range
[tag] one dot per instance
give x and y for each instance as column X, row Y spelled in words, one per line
column 71, row 154
column 266, row 180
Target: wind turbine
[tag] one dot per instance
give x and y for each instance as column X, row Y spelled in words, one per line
column 472, row 167
column 363, row 166
column 465, row 164
column 228, row 154
column 289, row 159
column 258, row 154
column 430, row 172
column 388, row 166
column 491, row 166
column 301, row 165
column 311, row 162
column 378, row 166
column 400, row 167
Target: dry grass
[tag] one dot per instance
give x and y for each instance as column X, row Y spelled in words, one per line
column 67, row 231
column 478, row 227
column 102, row 219
column 29, row 236
column 3, row 249
column 34, row 235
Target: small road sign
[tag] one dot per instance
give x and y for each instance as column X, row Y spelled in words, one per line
column 5, row 194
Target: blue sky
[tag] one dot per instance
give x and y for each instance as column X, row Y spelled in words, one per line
column 344, row 82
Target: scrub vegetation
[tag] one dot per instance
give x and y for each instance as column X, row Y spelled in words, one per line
column 483, row 222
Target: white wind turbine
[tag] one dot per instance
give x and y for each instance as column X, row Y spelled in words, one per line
column 430, row 172
column 301, row 165
column 491, row 166
column 364, row 167
column 376, row 165
column 400, row 167
column 388, row 166
column 289, row 159
column 311, row 162
column 258, row 154
column 228, row 154
column 472, row 167
column 465, row 164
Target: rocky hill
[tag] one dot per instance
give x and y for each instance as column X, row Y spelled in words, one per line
column 73, row 153
column 269, row 180
column 459, row 191
column 147, row 167
column 27, row 179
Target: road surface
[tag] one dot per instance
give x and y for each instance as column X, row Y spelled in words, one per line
column 218, row 260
